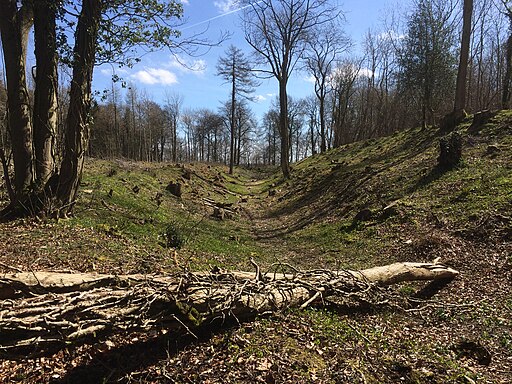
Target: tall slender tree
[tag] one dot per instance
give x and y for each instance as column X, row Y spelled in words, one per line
column 236, row 70
column 321, row 56
column 460, row 92
column 505, row 98
column 16, row 21
column 451, row 120
column 172, row 107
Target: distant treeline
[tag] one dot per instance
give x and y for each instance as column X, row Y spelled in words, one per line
column 405, row 77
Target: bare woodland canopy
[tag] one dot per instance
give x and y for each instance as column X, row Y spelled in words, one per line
column 404, row 76
column 395, row 82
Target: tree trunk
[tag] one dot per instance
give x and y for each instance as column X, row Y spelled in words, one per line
column 505, row 98
column 5, row 169
column 233, row 127
column 45, row 103
column 175, row 138
column 77, row 133
column 283, row 128
column 53, row 309
column 14, row 27
column 323, row 146
column 238, row 142
column 450, row 121
column 460, row 92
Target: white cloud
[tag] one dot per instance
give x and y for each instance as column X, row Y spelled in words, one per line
column 153, row 76
column 186, row 2
column 118, row 71
column 197, row 67
column 350, row 70
column 259, row 98
column 365, row 72
column 310, row 79
column 226, row 6
column 390, row 35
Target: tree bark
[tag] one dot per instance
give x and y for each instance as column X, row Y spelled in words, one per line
column 232, row 125
column 45, row 102
column 321, row 112
column 77, row 133
column 460, row 92
column 505, row 97
column 7, row 178
column 451, row 120
column 15, row 25
column 53, row 309
column 284, row 129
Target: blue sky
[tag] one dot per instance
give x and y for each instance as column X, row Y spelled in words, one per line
column 160, row 73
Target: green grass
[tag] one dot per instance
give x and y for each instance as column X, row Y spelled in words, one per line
column 111, row 207
column 127, row 201
column 311, row 225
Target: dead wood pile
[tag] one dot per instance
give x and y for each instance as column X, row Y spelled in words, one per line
column 41, row 310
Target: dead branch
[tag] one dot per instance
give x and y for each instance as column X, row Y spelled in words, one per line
column 44, row 309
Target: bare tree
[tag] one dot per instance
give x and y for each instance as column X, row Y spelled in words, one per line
column 485, row 80
column 451, row 120
column 460, row 93
column 188, row 118
column 235, row 69
column 312, row 112
column 344, row 81
column 271, row 128
column 278, row 31
column 320, row 60
column 173, row 105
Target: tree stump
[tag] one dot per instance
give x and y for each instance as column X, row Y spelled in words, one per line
column 479, row 119
column 450, row 151
column 174, row 189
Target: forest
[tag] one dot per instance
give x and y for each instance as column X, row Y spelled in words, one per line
column 362, row 234
column 381, row 91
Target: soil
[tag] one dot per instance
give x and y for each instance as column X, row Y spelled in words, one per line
column 461, row 335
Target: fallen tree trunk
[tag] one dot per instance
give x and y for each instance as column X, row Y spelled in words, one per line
column 45, row 309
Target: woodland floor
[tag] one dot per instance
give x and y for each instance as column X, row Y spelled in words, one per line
column 463, row 334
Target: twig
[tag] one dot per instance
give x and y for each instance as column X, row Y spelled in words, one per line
column 185, row 326
column 313, row 298
column 10, row 267
column 359, row 333
column 258, row 276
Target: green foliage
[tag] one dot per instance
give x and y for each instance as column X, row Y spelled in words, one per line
column 173, row 236
column 426, row 58
column 450, row 151
column 126, row 26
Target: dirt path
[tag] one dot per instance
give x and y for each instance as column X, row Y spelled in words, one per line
column 271, row 226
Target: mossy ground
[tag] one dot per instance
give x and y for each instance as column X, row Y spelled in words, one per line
column 415, row 212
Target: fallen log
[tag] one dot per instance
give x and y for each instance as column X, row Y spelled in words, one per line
column 43, row 309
